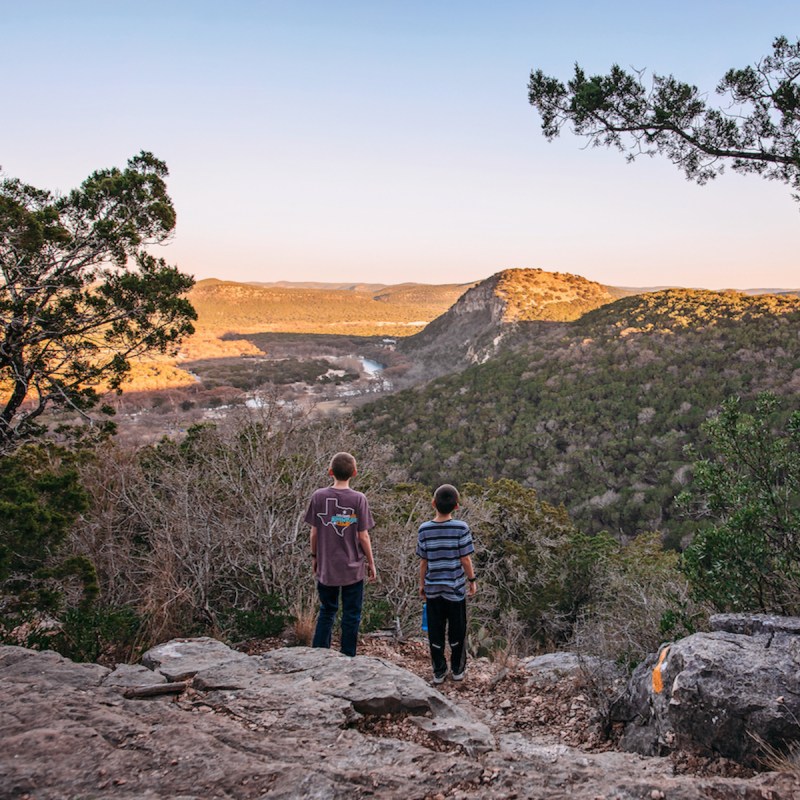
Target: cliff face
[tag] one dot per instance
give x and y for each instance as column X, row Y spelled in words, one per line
column 474, row 327
column 481, row 299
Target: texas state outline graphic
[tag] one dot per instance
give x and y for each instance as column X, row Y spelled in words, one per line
column 336, row 516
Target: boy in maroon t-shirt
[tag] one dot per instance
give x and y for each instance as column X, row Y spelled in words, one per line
column 341, row 552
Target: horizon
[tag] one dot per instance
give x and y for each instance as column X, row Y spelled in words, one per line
column 300, row 284
column 370, row 143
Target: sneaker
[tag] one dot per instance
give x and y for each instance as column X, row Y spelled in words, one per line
column 457, row 676
column 437, row 679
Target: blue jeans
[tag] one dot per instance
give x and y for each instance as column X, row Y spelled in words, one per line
column 352, row 600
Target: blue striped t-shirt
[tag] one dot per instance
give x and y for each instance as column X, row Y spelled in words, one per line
column 443, row 545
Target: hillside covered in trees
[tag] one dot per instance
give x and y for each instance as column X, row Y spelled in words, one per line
column 595, row 413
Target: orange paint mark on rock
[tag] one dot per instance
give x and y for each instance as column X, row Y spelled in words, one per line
column 658, row 682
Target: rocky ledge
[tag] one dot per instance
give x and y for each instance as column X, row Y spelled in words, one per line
column 197, row 720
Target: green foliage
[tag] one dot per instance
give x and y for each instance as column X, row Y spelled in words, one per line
column 595, row 414
column 47, row 598
column 89, row 633
column 544, row 584
column 538, row 569
column 248, row 374
column 746, row 555
column 376, row 612
column 757, row 129
column 80, row 296
column 40, row 498
column 640, row 598
column 267, row 617
column 676, row 310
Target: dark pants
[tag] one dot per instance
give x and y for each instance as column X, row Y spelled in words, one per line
column 450, row 617
column 352, row 600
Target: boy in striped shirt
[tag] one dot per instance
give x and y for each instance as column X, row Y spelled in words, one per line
column 444, row 546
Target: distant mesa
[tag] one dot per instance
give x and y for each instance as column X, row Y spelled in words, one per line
column 328, row 286
column 355, row 309
column 464, row 321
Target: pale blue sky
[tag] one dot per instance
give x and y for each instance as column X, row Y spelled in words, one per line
column 384, row 141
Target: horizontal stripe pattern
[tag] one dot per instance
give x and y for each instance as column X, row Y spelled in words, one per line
column 443, row 545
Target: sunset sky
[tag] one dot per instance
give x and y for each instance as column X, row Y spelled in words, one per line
column 389, row 142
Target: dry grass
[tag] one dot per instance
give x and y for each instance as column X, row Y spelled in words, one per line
column 302, row 629
column 775, row 760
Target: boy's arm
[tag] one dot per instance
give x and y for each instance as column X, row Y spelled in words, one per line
column 469, row 571
column 423, row 571
column 366, row 546
column 314, row 548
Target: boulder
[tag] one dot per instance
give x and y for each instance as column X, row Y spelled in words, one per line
column 316, row 683
column 552, row 668
column 734, row 691
column 40, row 669
column 356, row 686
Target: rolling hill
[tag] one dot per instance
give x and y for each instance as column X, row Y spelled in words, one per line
column 594, row 413
column 360, row 309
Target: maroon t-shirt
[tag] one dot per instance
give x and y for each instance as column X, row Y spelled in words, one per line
column 338, row 515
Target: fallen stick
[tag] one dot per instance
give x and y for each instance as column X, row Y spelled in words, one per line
column 156, row 689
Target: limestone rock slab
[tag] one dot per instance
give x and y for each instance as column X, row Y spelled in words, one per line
column 373, row 686
column 284, row 733
column 129, row 675
column 180, row 659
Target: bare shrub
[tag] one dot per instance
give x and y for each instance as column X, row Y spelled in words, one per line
column 187, row 531
column 786, row 760
column 534, row 572
column 207, row 534
column 641, row 600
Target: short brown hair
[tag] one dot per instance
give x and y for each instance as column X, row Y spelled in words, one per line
column 343, row 466
column 446, row 498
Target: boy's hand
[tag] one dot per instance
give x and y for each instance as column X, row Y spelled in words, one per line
column 422, row 591
column 473, row 588
column 372, row 573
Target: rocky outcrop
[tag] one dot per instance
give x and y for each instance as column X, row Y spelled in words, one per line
column 469, row 331
column 734, row 691
column 284, row 724
column 490, row 314
column 294, row 723
column 348, row 688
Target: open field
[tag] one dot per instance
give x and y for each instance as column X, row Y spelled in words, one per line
column 387, row 310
